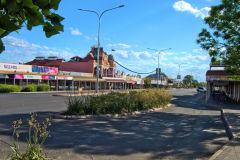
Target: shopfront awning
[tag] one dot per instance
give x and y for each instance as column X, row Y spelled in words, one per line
column 115, row 80
column 131, row 82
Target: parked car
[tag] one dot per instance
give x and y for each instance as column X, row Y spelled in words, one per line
column 201, row 89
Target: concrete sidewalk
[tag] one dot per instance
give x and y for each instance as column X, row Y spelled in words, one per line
column 231, row 116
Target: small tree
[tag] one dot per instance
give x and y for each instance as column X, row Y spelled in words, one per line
column 147, row 82
column 14, row 14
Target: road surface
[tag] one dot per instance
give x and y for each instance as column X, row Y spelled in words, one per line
column 186, row 130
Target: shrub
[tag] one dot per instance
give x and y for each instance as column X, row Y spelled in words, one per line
column 77, row 105
column 43, row 87
column 30, row 88
column 37, row 134
column 118, row 103
column 5, row 88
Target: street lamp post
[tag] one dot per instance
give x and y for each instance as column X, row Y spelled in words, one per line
column 179, row 67
column 99, row 23
column 158, row 51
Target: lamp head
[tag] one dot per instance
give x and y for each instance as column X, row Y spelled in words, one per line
column 121, row 6
column 80, row 9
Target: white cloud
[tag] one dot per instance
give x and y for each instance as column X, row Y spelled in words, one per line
column 75, row 32
column 198, row 51
column 122, row 53
column 119, row 46
column 204, row 67
column 141, row 55
column 13, row 42
column 87, row 37
column 186, row 7
column 21, row 50
column 192, row 58
column 18, row 43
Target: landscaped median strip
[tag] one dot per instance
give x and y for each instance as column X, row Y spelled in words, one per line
column 61, row 116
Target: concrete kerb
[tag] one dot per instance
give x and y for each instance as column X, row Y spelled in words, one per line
column 228, row 128
column 71, row 117
column 216, row 154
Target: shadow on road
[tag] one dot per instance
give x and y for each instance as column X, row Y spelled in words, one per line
column 195, row 101
column 158, row 135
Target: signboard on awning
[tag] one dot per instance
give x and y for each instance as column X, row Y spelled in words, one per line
column 15, row 67
column 18, row 76
column 63, row 78
column 139, row 82
column 48, row 77
column 4, row 76
column 32, row 77
column 115, row 80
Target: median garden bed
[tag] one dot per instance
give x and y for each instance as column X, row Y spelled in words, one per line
column 117, row 103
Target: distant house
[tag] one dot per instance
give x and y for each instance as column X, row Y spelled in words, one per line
column 162, row 81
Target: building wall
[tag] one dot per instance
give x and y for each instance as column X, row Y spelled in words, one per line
column 86, row 67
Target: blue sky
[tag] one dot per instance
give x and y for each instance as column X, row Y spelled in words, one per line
column 130, row 30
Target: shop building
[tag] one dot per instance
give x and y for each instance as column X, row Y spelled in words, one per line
column 69, row 75
column 220, row 81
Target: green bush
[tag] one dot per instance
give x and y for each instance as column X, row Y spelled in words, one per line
column 118, row 103
column 37, row 135
column 43, row 87
column 5, row 88
column 30, row 88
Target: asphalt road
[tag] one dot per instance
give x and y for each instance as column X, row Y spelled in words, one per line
column 186, row 130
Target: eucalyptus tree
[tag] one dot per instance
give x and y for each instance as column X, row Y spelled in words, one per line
column 222, row 38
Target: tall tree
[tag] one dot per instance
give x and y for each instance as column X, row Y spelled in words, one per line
column 202, row 84
column 188, row 80
column 15, row 14
column 222, row 39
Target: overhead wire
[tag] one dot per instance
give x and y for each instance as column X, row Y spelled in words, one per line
column 132, row 70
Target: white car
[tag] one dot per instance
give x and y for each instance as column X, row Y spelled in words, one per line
column 201, row 89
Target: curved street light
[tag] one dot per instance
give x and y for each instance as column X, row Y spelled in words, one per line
column 99, row 22
column 158, row 51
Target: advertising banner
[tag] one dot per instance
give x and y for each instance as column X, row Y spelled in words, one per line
column 80, row 74
column 4, row 76
column 15, row 67
column 63, row 78
column 32, row 77
column 42, row 69
column 69, row 78
column 48, row 77
column 19, row 76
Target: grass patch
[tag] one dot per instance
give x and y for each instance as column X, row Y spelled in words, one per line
column 117, row 103
column 5, row 88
